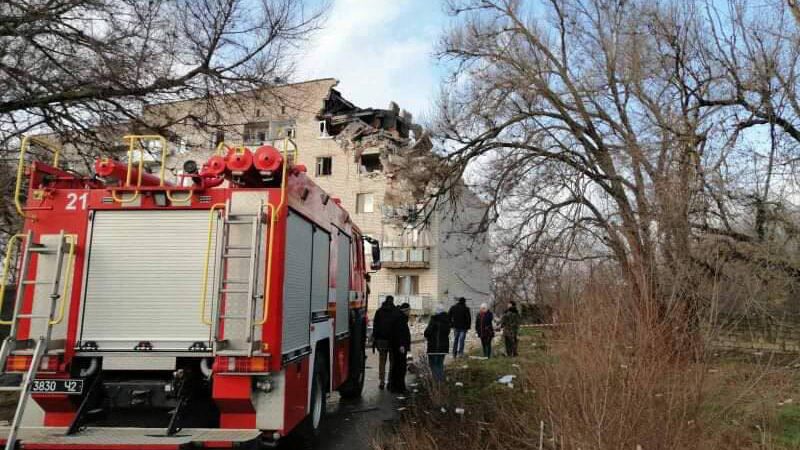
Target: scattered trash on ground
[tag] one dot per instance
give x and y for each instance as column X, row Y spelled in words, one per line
column 459, row 384
column 460, row 411
column 506, row 379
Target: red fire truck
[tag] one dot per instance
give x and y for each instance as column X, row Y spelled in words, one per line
column 218, row 311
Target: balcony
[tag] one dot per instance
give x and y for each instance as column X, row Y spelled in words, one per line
column 405, row 257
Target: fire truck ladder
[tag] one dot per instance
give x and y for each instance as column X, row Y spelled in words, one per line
column 41, row 344
column 233, row 282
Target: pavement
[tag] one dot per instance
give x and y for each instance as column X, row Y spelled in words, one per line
column 352, row 424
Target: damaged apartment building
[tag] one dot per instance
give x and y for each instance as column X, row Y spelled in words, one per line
column 355, row 154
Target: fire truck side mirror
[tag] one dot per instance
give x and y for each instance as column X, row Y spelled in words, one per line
column 376, row 253
column 376, row 257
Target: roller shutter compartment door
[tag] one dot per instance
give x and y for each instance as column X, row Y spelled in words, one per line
column 297, row 284
column 144, row 279
column 342, row 282
column 320, row 270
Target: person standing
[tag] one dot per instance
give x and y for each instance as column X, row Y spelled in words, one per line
column 381, row 331
column 400, row 345
column 460, row 320
column 510, row 323
column 437, row 335
column 484, row 326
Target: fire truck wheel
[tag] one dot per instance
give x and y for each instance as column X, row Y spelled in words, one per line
column 309, row 429
column 354, row 385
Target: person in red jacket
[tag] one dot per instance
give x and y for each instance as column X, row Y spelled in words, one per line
column 484, row 326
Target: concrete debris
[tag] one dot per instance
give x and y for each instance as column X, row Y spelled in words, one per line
column 403, row 148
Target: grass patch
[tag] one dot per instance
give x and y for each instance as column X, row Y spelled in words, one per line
column 789, row 423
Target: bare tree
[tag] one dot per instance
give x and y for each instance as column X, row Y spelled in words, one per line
column 641, row 133
column 73, row 66
column 87, row 69
column 587, row 115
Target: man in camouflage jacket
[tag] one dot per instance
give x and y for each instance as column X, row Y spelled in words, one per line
column 510, row 323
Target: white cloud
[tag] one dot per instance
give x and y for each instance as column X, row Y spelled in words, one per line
column 379, row 50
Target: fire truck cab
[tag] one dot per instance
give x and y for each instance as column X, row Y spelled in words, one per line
column 214, row 312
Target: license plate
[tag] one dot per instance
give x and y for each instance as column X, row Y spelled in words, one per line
column 57, row 386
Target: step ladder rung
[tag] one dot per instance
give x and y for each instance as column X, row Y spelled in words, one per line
column 238, row 247
column 33, row 316
column 27, row 282
column 240, row 317
column 236, row 281
column 239, row 222
column 11, row 388
column 41, row 249
column 233, row 291
column 228, row 255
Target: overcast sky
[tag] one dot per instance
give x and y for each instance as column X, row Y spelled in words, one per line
column 379, row 50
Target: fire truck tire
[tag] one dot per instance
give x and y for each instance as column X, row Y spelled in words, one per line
column 308, row 431
column 354, row 386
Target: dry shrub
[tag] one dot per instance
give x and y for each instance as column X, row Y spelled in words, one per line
column 628, row 373
column 621, row 372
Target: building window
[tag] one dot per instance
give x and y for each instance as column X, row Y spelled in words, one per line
column 371, row 163
column 280, row 129
column 219, row 137
column 407, row 285
column 324, row 166
column 255, row 133
column 364, row 203
column 258, row 112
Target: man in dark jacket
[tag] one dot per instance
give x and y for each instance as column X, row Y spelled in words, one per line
column 484, row 326
column 460, row 320
column 381, row 331
column 400, row 345
column 437, row 334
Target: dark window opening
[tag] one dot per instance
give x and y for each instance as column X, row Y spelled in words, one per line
column 219, row 137
column 371, row 163
column 324, row 166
